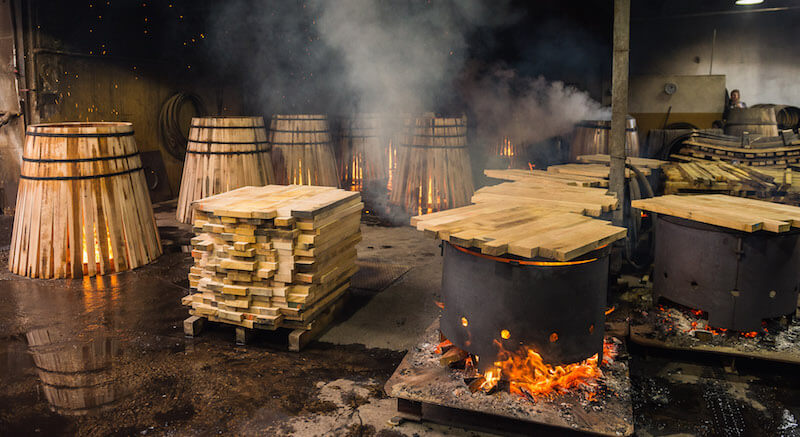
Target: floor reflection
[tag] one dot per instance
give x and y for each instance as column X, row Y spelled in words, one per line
column 76, row 375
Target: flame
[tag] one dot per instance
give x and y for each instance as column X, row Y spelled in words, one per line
column 392, row 152
column 530, row 377
column 505, row 334
column 97, row 255
column 439, row 304
column 531, row 165
column 506, row 149
column 610, row 310
column 442, row 345
column 464, row 322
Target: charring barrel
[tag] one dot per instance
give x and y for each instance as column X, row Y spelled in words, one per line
column 593, row 137
column 302, row 152
column 363, row 152
column 759, row 121
column 433, row 170
column 82, row 205
column 223, row 153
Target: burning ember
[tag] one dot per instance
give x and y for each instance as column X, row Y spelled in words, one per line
column 525, row 373
column 691, row 320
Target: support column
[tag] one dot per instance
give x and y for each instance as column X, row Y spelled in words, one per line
column 619, row 105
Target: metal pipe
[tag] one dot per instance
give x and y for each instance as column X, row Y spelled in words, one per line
column 619, row 105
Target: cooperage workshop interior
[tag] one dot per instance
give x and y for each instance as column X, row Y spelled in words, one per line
column 388, row 218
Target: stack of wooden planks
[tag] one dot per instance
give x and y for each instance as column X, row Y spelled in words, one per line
column 748, row 215
column 540, row 188
column 273, row 256
column 717, row 176
column 599, row 171
column 632, row 160
column 521, row 229
column 762, row 152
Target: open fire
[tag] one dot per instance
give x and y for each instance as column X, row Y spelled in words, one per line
column 524, row 373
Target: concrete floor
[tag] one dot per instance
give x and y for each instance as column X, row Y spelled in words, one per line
column 150, row 379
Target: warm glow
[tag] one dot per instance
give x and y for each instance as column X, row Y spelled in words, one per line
column 505, row 334
column 97, row 255
column 464, row 322
column 392, row 164
column 553, row 337
column 530, row 377
column 506, row 149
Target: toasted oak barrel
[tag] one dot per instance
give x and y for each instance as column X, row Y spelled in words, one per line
column 433, row 167
column 83, row 206
column 223, row 153
column 592, row 137
column 302, row 152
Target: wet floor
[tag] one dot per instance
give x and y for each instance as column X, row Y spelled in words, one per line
column 107, row 356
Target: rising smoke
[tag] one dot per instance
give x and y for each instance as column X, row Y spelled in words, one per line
column 527, row 110
column 392, row 57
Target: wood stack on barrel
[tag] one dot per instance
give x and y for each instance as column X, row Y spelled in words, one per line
column 433, row 166
column 302, row 151
column 83, row 206
column 273, row 256
column 363, row 152
column 592, row 137
column 223, row 153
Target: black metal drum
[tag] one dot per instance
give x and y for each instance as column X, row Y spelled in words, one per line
column 556, row 308
column 739, row 278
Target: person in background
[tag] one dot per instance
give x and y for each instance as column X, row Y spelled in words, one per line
column 735, row 100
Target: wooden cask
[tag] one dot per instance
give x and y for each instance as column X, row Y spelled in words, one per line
column 363, row 152
column 82, row 204
column 302, row 151
column 592, row 137
column 787, row 117
column 223, row 153
column 433, row 166
column 758, row 121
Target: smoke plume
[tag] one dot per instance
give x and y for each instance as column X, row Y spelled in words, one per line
column 528, row 110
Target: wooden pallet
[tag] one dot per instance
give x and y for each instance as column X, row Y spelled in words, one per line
column 521, row 229
column 731, row 212
column 300, row 334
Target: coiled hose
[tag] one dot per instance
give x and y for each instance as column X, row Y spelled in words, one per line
column 169, row 124
column 635, row 187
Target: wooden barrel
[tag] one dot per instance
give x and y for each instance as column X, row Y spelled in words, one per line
column 76, row 375
column 787, row 117
column 758, row 121
column 223, row 153
column 433, row 167
column 363, row 152
column 592, row 137
column 302, row 151
column 82, row 204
